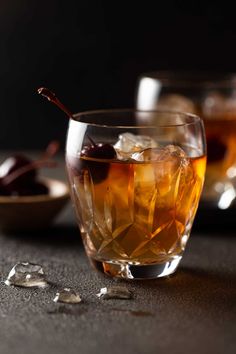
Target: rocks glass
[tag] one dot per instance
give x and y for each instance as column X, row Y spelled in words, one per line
column 136, row 178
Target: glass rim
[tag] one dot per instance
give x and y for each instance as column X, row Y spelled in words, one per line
column 194, row 79
column 195, row 119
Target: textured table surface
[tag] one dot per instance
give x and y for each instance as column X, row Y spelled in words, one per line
column 193, row 311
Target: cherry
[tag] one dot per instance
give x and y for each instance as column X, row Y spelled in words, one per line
column 97, row 151
column 18, row 173
column 10, row 167
column 98, row 170
column 12, row 164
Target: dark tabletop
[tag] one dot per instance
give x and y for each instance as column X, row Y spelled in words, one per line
column 193, row 311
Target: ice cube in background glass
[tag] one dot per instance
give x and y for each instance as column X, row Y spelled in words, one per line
column 230, row 104
column 176, row 102
column 27, row 275
column 68, row 296
column 129, row 143
column 114, row 292
column 215, row 103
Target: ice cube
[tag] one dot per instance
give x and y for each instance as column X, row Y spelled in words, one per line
column 27, row 275
column 167, row 153
column 168, row 165
column 177, row 102
column 173, row 151
column 147, row 155
column 171, row 165
column 129, row 143
column 68, row 296
column 114, row 292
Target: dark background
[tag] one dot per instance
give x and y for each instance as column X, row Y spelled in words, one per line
column 91, row 53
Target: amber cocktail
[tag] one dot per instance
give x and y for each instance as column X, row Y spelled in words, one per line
column 135, row 186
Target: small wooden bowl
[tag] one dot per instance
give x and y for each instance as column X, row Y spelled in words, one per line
column 33, row 212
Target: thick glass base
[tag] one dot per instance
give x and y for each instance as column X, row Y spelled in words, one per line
column 133, row 271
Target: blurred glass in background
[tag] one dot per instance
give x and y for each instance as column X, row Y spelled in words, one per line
column 212, row 97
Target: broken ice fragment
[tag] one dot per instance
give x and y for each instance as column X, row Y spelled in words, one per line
column 26, row 275
column 68, row 296
column 129, row 143
column 114, row 292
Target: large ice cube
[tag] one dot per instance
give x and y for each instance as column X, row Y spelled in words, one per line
column 167, row 153
column 129, row 143
column 168, row 164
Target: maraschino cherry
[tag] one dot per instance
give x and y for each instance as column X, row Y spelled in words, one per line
column 99, row 151
column 18, row 173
